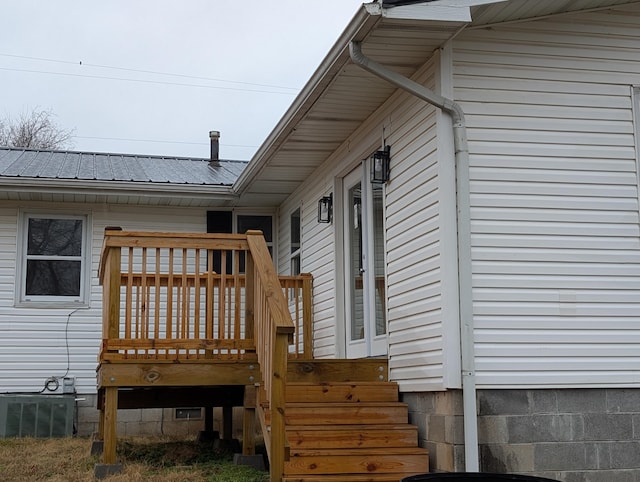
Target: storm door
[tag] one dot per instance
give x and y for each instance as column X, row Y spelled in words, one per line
column 365, row 294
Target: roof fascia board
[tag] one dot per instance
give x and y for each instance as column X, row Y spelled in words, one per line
column 121, row 188
column 438, row 10
column 361, row 24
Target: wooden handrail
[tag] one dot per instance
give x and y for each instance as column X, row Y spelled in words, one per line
column 116, row 238
column 271, row 288
column 274, row 333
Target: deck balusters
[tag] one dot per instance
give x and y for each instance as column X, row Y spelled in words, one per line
column 175, row 306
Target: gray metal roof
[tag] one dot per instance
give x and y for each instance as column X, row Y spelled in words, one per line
column 94, row 166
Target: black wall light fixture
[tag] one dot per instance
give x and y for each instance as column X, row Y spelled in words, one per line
column 381, row 165
column 325, row 209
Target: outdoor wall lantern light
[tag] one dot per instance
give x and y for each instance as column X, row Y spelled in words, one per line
column 380, row 166
column 325, row 209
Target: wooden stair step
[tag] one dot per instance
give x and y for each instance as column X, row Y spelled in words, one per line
column 338, row 429
column 358, row 461
column 390, row 477
column 342, row 392
column 399, row 451
column 342, row 370
column 336, row 392
column 351, row 436
column 369, row 413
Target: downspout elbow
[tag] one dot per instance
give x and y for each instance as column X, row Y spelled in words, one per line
column 357, row 57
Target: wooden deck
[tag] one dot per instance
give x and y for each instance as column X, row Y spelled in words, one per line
column 204, row 319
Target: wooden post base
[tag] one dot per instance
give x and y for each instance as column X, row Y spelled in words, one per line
column 102, row 471
column 97, row 447
column 255, row 461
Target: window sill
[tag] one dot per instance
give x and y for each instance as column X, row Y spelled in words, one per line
column 51, row 304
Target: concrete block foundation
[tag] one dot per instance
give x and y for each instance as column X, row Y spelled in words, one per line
column 572, row 435
column 149, row 421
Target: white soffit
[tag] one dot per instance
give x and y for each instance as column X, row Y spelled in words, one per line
column 525, row 10
column 341, row 96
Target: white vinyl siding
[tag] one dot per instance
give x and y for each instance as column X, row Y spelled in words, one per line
column 317, row 258
column 33, row 341
column 554, row 194
column 413, row 227
column 414, row 264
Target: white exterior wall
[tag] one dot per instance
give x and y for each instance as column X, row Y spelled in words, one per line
column 33, row 340
column 554, row 194
column 317, row 243
column 314, row 259
column 422, row 301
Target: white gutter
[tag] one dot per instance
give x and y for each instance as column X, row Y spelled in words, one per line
column 22, row 184
column 464, row 240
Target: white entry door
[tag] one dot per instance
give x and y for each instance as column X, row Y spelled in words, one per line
column 365, row 294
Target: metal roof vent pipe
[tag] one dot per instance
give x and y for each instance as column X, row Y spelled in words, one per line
column 214, row 160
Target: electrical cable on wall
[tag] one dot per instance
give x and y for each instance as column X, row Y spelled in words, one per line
column 52, row 383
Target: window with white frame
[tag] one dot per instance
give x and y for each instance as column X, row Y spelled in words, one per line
column 295, row 227
column 53, row 261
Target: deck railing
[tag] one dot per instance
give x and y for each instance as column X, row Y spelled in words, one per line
column 199, row 298
column 183, row 297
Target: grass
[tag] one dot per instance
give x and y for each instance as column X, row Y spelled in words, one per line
column 144, row 459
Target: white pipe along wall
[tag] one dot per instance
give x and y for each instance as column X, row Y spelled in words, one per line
column 465, row 300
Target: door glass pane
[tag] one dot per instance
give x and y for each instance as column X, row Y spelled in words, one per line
column 255, row 222
column 354, row 213
column 262, row 223
column 295, row 230
column 378, row 260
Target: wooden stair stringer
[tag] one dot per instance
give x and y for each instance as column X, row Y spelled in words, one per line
column 390, row 477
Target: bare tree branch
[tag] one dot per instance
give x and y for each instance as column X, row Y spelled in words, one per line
column 36, row 130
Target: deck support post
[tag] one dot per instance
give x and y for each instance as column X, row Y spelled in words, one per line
column 227, row 422
column 208, row 434
column 109, row 466
column 97, row 438
column 100, row 434
column 249, row 421
column 208, row 419
column 110, row 424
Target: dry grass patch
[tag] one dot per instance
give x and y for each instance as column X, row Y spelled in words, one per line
column 145, row 459
column 46, row 459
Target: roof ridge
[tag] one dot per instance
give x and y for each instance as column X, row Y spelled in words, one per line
column 121, row 154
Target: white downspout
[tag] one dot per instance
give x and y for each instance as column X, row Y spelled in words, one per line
column 464, row 240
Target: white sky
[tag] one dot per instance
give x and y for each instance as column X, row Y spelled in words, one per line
column 66, row 56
